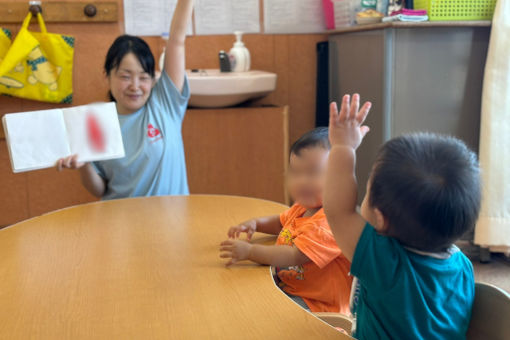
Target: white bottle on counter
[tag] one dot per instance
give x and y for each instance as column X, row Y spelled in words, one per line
column 240, row 55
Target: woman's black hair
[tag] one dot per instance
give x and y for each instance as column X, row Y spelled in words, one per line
column 129, row 44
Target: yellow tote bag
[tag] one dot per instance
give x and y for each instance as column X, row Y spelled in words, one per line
column 5, row 42
column 38, row 65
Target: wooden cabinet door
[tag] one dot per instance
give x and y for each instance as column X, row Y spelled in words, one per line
column 237, row 151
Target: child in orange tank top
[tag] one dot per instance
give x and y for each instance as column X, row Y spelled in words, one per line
column 310, row 267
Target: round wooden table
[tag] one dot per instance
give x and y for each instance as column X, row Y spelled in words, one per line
column 143, row 268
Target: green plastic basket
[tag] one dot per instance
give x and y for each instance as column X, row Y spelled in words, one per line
column 444, row 10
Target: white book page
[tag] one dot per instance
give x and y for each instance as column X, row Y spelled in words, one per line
column 94, row 132
column 36, row 140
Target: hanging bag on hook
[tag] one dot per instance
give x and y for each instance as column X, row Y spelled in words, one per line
column 38, row 65
column 5, row 42
column 5, row 45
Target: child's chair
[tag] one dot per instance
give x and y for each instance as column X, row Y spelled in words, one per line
column 490, row 317
column 336, row 320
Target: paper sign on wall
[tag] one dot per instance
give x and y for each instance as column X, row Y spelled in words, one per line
column 293, row 16
column 226, row 16
column 149, row 18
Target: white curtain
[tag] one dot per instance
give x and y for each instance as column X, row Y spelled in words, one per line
column 493, row 228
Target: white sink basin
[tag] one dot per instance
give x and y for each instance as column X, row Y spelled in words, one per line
column 212, row 88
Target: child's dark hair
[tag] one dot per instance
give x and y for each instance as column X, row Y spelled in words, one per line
column 316, row 137
column 428, row 188
column 129, row 44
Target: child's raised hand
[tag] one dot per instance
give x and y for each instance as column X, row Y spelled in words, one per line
column 248, row 227
column 235, row 250
column 70, row 162
column 345, row 127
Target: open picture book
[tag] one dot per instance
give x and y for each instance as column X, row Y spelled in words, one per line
column 38, row 139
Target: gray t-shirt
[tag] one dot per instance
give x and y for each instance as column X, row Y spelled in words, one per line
column 154, row 164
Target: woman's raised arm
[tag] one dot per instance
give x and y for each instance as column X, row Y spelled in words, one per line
column 175, row 51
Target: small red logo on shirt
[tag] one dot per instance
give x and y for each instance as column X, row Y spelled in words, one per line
column 152, row 131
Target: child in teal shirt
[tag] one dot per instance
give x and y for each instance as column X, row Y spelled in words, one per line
column 411, row 282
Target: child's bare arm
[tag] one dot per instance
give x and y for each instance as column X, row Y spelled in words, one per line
column 340, row 195
column 278, row 256
column 268, row 225
column 275, row 255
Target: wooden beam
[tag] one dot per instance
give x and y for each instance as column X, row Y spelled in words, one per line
column 61, row 11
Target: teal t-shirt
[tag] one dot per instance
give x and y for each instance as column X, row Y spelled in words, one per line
column 400, row 293
column 154, row 164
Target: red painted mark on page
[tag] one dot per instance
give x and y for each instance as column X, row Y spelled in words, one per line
column 95, row 134
column 152, row 131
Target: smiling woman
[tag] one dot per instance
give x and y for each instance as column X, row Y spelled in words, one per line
column 129, row 67
column 150, row 115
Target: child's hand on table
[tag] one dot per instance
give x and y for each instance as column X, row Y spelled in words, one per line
column 345, row 127
column 235, row 250
column 248, row 227
column 70, row 162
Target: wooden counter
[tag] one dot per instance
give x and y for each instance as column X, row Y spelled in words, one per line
column 401, row 24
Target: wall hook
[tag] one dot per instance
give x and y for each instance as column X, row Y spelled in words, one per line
column 90, row 10
column 65, row 11
column 34, row 7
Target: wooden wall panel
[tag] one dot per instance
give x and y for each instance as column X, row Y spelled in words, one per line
column 14, row 192
column 50, row 190
column 237, row 151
